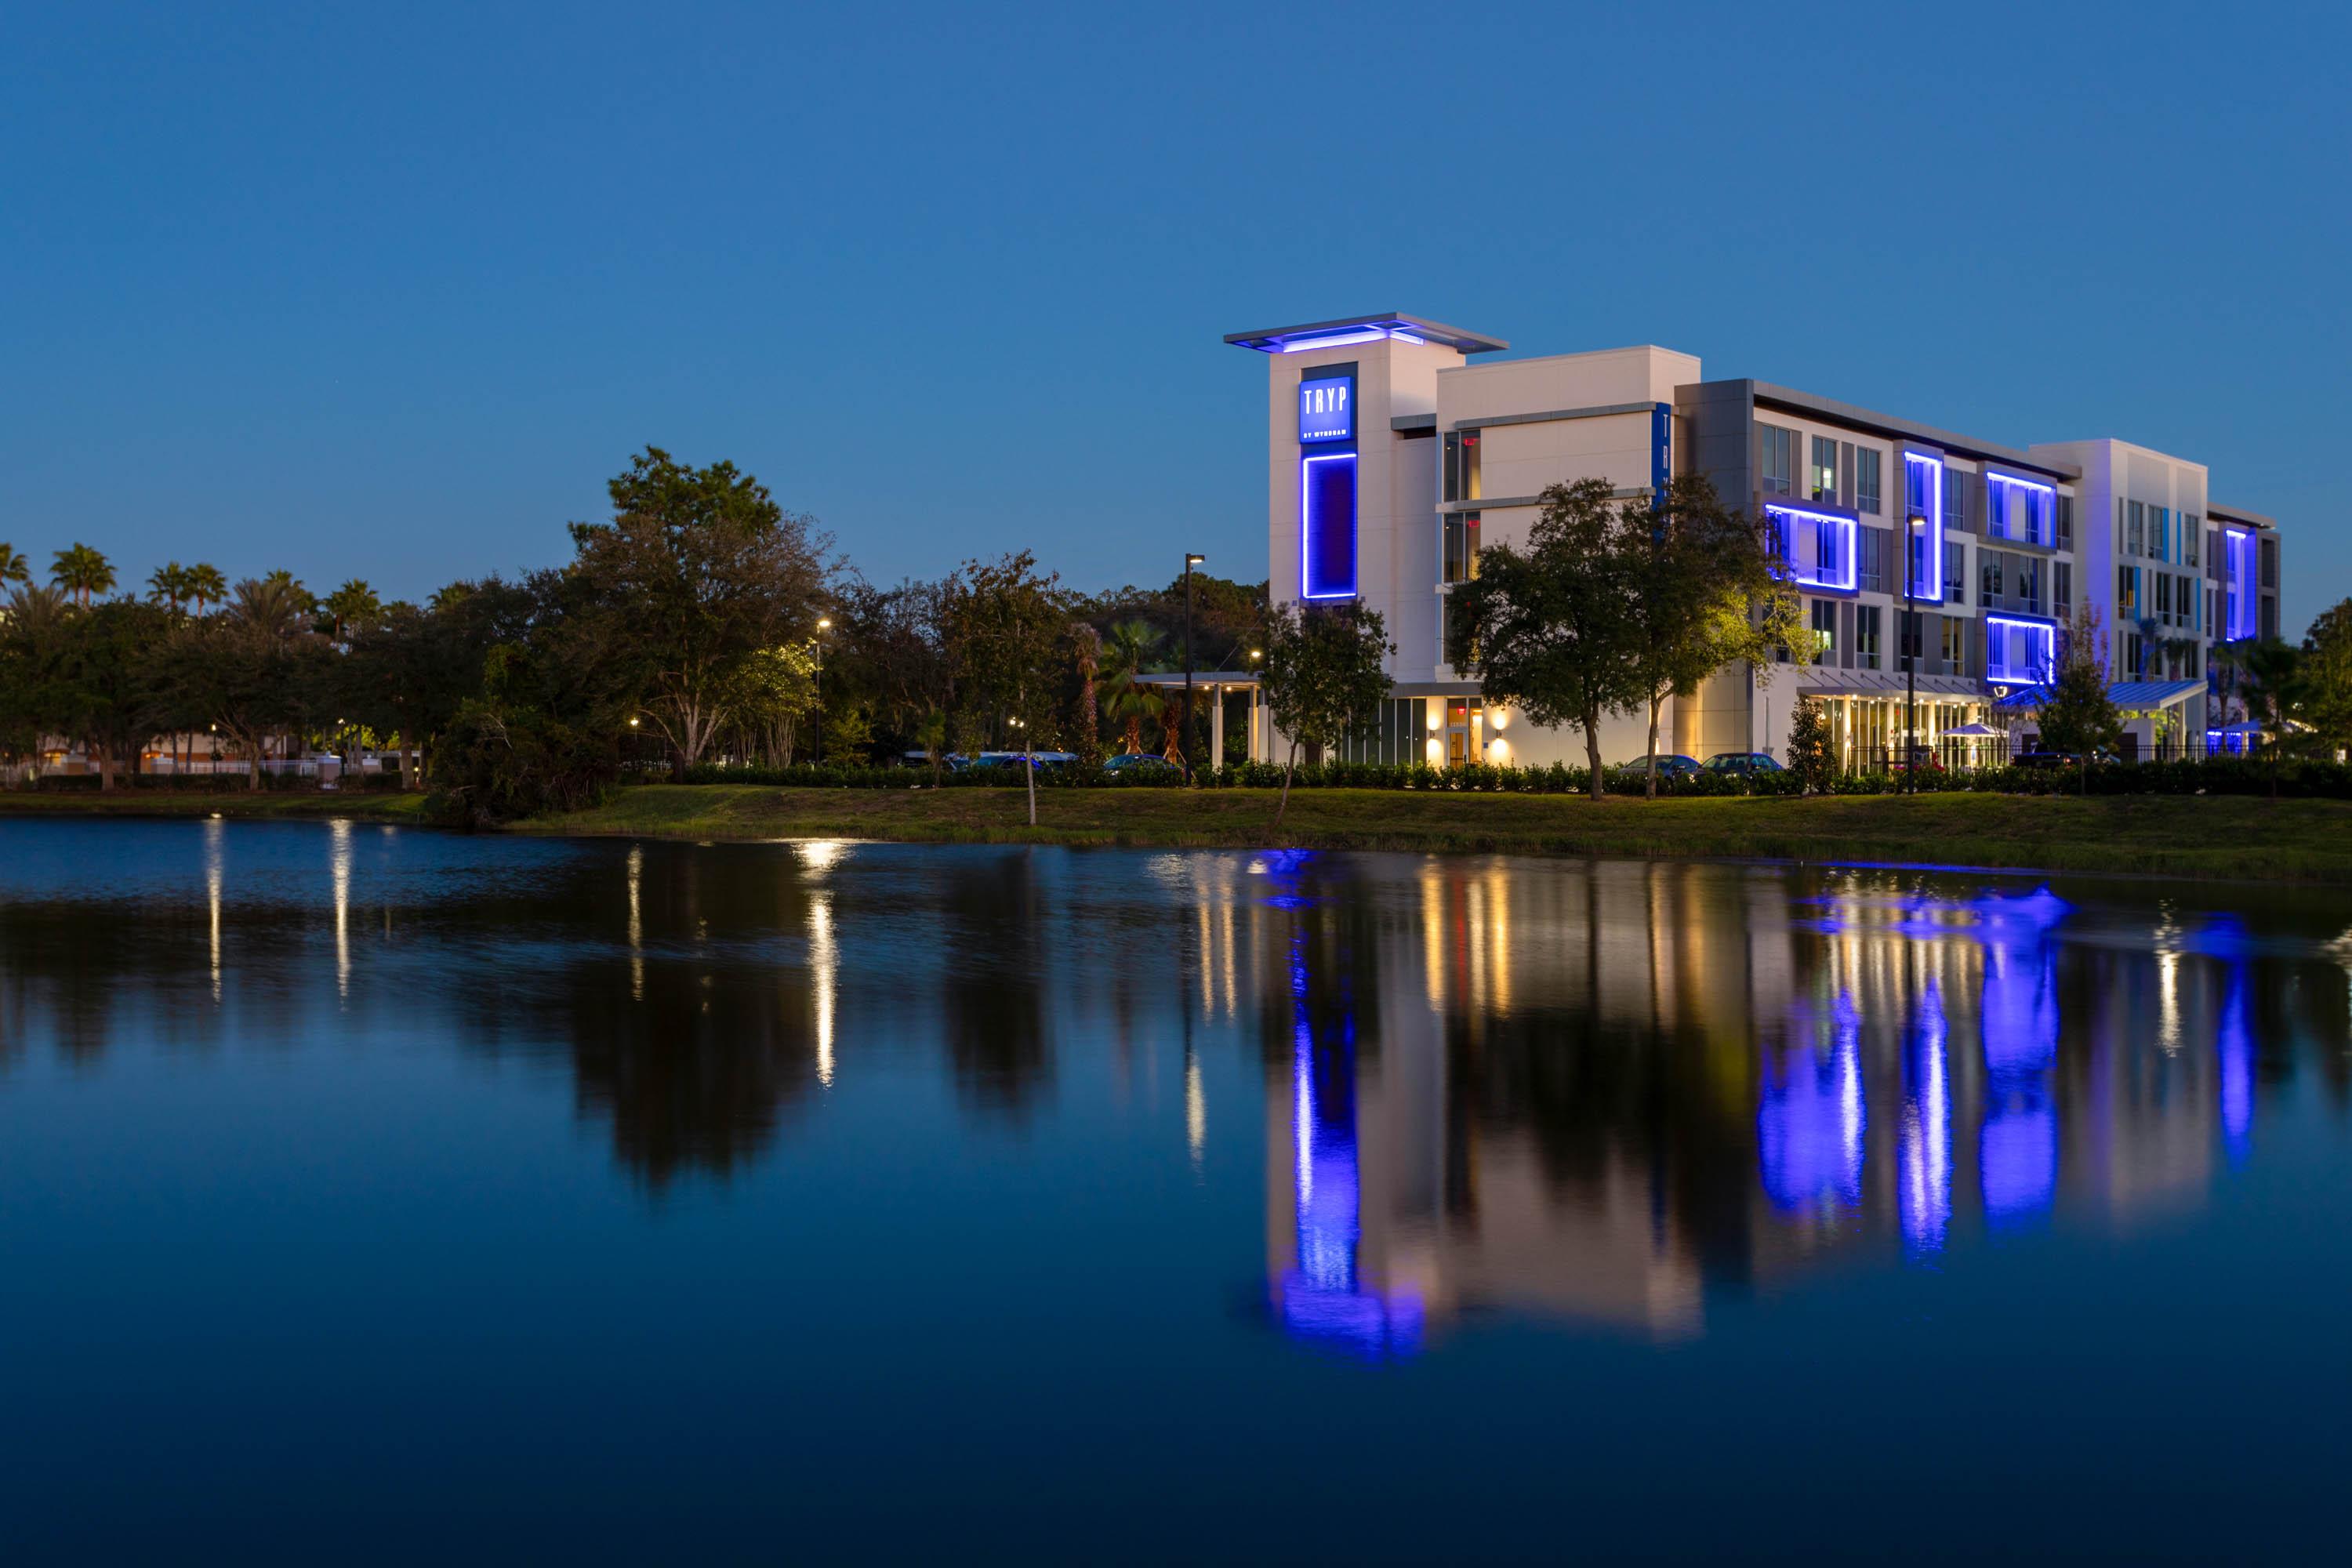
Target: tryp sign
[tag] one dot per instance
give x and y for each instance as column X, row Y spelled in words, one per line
column 1327, row 409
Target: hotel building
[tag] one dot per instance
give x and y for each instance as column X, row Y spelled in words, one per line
column 1393, row 459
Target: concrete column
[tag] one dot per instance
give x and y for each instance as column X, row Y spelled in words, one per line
column 1216, row 726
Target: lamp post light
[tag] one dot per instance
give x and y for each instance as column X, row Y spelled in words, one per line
column 816, row 690
column 1185, row 729
column 1913, row 633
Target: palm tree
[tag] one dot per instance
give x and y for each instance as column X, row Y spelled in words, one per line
column 207, row 585
column 1090, row 659
column 352, row 605
column 13, row 568
column 2270, row 681
column 33, row 609
column 932, row 729
column 1126, row 655
column 276, row 603
column 82, row 571
column 169, row 585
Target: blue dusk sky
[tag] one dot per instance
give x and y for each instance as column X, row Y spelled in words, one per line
column 389, row 291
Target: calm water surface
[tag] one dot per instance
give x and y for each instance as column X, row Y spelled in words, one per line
column 369, row 1192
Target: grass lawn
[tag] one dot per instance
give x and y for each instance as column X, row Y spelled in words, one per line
column 2210, row 836
column 129, row 802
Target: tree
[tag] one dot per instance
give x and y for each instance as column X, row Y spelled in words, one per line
column 168, row 586
column 352, row 605
column 2327, row 676
column 1004, row 627
column 1706, row 593
column 1126, row 701
column 698, row 570
column 82, row 573
column 207, row 585
column 13, row 568
column 2075, row 713
column 1325, row 678
column 1086, row 653
column 1810, row 755
column 774, row 689
column 112, row 697
column 1551, row 629
column 2271, row 684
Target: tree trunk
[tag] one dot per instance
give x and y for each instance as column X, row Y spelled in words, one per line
column 407, row 762
column 253, row 767
column 1654, row 704
column 106, row 771
column 1288, row 767
column 1029, row 769
column 1134, row 734
column 1592, row 747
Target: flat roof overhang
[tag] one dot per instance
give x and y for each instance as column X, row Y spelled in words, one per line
column 1364, row 330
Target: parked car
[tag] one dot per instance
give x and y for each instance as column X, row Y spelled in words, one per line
column 1142, row 765
column 1744, row 764
column 1669, row 767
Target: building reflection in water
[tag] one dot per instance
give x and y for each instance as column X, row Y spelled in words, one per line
column 1611, row 1091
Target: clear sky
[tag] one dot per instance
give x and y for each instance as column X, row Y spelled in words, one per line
column 389, row 291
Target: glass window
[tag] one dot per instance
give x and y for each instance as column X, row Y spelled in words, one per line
column 2065, row 522
column 1956, row 572
column 1865, row 636
column 1988, row 579
column 2160, row 529
column 2134, row 525
column 1825, row 469
column 1955, row 642
column 1824, row 629
column 1871, row 546
column 1908, row 629
column 2061, row 587
column 1461, row 546
column 1866, row 481
column 2192, row 528
column 2270, row 562
column 1955, row 501
column 1776, row 459
column 1449, row 484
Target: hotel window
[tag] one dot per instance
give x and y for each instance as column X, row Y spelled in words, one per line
column 1866, row 481
column 2192, row 528
column 2164, row 597
column 2127, row 592
column 1874, row 552
column 1917, row 488
column 1955, row 501
column 1907, row 631
column 1824, row 629
column 1461, row 466
column 1865, row 636
column 1461, row 546
column 2270, row 562
column 2062, row 588
column 1956, row 572
column 2065, row 522
column 2133, row 526
column 1776, row 459
column 1825, row 466
column 1955, row 644
column 1988, row 579
column 2159, row 532
column 2025, row 583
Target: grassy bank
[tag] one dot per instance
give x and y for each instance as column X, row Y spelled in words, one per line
column 289, row 804
column 2209, row 837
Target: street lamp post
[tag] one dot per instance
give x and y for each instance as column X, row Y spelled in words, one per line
column 816, row 691
column 1912, row 634
column 1185, row 730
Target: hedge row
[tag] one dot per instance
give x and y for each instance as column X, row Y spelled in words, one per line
column 201, row 784
column 2216, row 776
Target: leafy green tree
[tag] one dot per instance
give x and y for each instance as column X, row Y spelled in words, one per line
column 13, row 568
column 1811, row 757
column 1706, row 593
column 2077, row 714
column 848, row 736
column 698, row 570
column 1551, row 629
column 1003, row 630
column 774, row 690
column 1325, row 677
column 111, row 696
column 82, row 573
column 2327, row 676
column 1127, row 652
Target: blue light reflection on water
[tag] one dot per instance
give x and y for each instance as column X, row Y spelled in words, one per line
column 1925, row 1198
column 1810, row 1122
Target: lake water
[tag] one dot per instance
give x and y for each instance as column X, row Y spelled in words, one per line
column 373, row 1193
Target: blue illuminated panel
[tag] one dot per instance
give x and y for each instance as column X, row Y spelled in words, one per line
column 2020, row 650
column 1326, row 526
column 1816, row 547
column 1327, row 409
column 2238, row 584
column 1924, row 553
